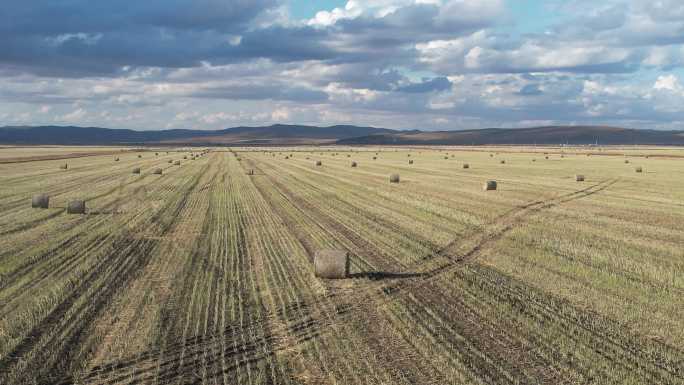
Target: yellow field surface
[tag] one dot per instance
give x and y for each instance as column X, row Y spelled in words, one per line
column 204, row 274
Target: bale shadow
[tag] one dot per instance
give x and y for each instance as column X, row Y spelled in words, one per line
column 381, row 275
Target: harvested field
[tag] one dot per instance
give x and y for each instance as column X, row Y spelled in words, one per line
column 206, row 275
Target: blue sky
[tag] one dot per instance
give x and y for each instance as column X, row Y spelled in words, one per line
column 425, row 64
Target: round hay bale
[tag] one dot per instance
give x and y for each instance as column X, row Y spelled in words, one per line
column 348, row 155
column 626, row 161
column 490, row 185
column 375, row 157
column 76, row 207
column 40, row 201
column 579, row 178
column 410, row 161
column 408, row 155
column 331, row 264
column 156, row 153
column 176, row 163
column 319, row 163
column 250, row 172
column 446, row 157
column 116, row 159
column 502, row 161
column 136, row 170
column 638, row 169
column 353, row 164
column 170, row 161
column 534, row 160
column 394, row 178
column 139, row 156
column 64, row 166
column 185, row 157
column 546, row 157
column 157, row 171
column 466, row 165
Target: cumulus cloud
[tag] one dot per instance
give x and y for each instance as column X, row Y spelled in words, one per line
column 395, row 63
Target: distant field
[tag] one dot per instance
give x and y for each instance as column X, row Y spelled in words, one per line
column 204, row 274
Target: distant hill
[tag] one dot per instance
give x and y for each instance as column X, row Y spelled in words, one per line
column 574, row 135
column 275, row 134
column 281, row 134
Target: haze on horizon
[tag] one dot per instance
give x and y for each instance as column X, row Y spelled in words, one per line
column 424, row 64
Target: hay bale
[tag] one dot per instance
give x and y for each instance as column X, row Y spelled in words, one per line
column 534, row 160
column 502, row 161
column 116, row 159
column 319, row 163
column 446, row 157
column 157, row 171
column 64, row 166
column 375, row 157
column 579, row 178
column 40, row 201
column 394, row 178
column 353, row 164
column 546, row 157
column 139, row 156
column 136, row 170
column 250, row 172
column 638, row 169
column 331, row 264
column 76, row 207
column 156, row 153
column 626, row 161
column 185, row 157
column 170, row 161
column 466, row 165
column 410, row 161
column 490, row 185
column 176, row 163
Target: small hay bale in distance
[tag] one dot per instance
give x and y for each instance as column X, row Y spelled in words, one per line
column 319, row 163
column 626, row 161
column 446, row 158
column 156, row 153
column 76, row 207
column 331, row 264
column 185, row 157
column 116, row 159
column 394, row 178
column 375, row 157
column 250, row 172
column 64, row 166
column 502, row 161
column 490, row 185
column 139, row 156
column 170, row 161
column 176, row 163
column 157, row 171
column 639, row 169
column 579, row 178
column 466, row 165
column 410, row 161
column 136, row 170
column 40, row 201
column 353, row 164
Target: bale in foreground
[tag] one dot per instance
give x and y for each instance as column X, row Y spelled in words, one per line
column 394, row 178
column 329, row 263
column 76, row 207
column 40, row 201
column 490, row 185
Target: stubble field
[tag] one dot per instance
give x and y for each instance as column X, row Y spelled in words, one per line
column 204, row 274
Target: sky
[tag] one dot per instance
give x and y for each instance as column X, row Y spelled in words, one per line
column 405, row 64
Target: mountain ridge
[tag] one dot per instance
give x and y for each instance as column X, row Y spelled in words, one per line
column 289, row 134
